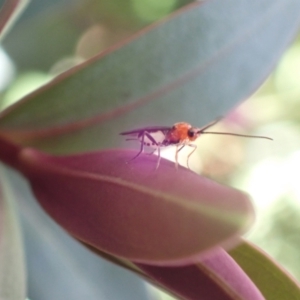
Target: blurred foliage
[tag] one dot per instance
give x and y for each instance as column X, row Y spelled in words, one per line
column 269, row 171
column 92, row 25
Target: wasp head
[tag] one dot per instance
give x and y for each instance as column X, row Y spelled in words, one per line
column 182, row 132
column 193, row 133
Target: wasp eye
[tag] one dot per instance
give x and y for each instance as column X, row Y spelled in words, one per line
column 191, row 133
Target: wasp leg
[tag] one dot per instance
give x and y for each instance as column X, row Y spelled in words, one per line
column 157, row 147
column 150, row 153
column 148, row 135
column 187, row 160
column 142, row 147
column 159, row 157
column 154, row 143
column 176, row 156
column 176, row 153
column 181, row 148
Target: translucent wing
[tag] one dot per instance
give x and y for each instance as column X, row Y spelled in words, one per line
column 149, row 129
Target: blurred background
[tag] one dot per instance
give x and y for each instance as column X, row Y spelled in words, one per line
column 267, row 170
column 60, row 268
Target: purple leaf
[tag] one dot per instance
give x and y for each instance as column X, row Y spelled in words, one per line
column 131, row 210
column 216, row 277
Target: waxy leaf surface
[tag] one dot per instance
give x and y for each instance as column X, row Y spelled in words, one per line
column 193, row 66
column 133, row 211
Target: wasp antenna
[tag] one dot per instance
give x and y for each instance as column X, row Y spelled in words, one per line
column 236, row 134
column 210, row 124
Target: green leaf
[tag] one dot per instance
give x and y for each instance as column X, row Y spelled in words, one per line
column 60, row 28
column 12, row 268
column 193, row 66
column 274, row 282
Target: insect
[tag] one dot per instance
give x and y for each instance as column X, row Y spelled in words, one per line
column 180, row 134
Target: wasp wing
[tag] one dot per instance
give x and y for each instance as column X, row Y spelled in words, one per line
column 149, row 129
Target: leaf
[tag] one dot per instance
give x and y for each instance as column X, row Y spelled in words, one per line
column 274, row 282
column 193, row 66
column 74, row 271
column 59, row 28
column 215, row 277
column 9, row 12
column 128, row 210
column 12, row 268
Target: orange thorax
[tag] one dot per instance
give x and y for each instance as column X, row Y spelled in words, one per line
column 179, row 133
